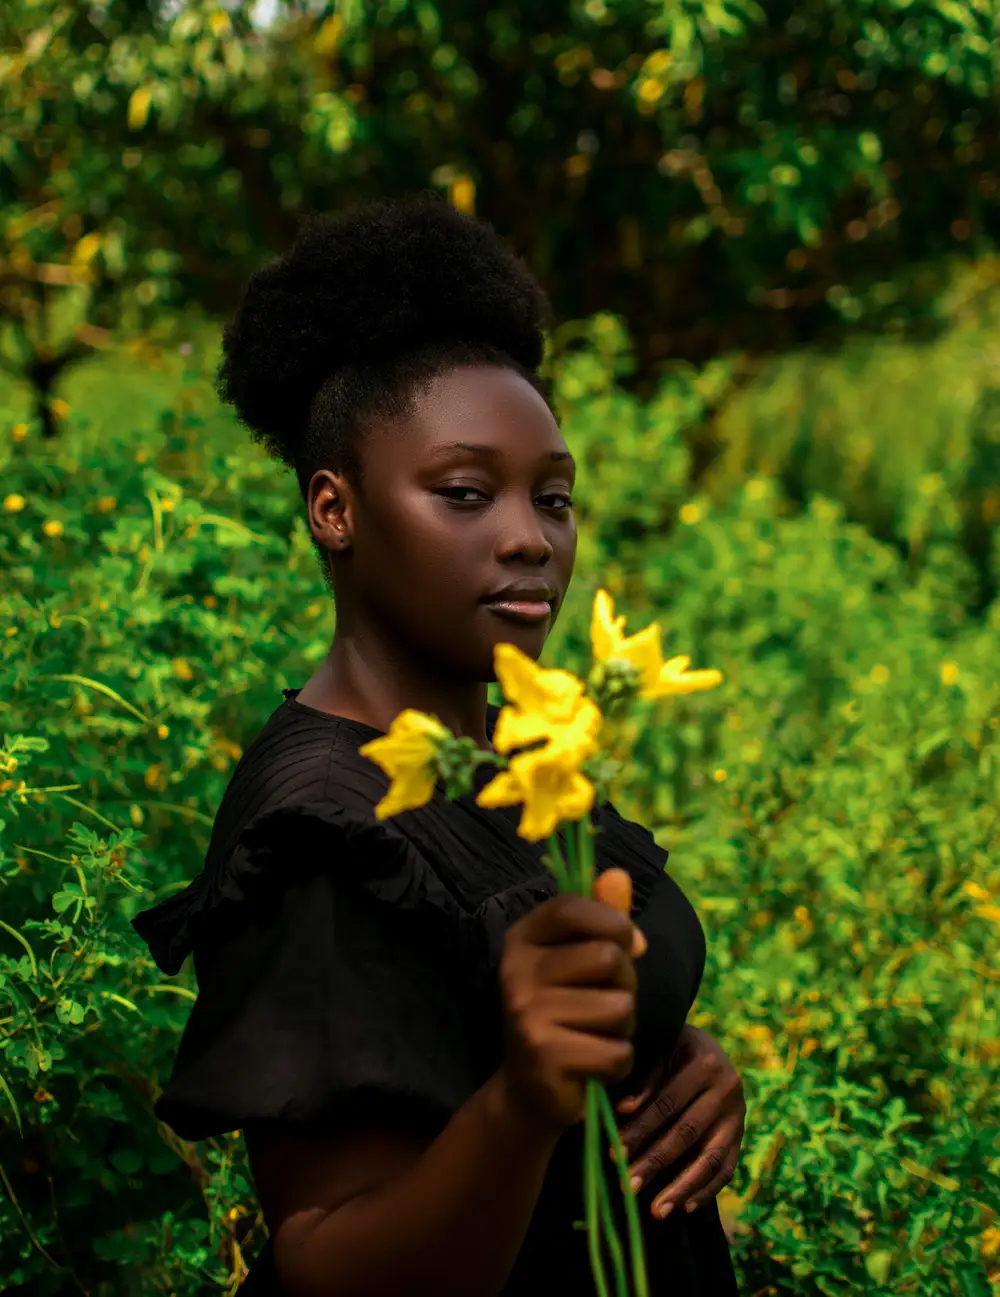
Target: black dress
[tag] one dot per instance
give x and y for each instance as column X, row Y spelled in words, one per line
column 347, row 967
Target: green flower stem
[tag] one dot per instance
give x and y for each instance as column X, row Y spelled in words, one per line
column 557, row 863
column 591, row 1176
column 573, row 868
column 610, row 1229
column 636, row 1249
column 585, row 841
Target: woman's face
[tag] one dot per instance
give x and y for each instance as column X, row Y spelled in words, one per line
column 464, row 536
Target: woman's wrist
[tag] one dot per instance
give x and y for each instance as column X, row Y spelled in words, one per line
column 504, row 1107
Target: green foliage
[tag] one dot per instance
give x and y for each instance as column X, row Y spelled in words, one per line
column 718, row 172
column 831, row 810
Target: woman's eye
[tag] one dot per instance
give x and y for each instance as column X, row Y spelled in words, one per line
column 457, row 492
column 472, row 495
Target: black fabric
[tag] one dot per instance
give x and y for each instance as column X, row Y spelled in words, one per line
column 347, row 967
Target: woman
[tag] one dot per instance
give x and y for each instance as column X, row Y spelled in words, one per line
column 401, row 1016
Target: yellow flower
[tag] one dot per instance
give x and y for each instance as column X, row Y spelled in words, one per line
column 52, row 527
column 657, row 679
column 19, row 432
column 60, row 409
column 549, row 785
column 949, row 673
column 539, row 701
column 406, row 754
column 14, row 503
column 545, row 706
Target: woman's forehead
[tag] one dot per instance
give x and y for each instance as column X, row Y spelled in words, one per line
column 486, row 414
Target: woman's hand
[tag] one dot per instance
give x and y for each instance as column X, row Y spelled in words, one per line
column 693, row 1102
column 567, row 983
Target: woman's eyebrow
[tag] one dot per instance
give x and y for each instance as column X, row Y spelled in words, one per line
column 447, row 448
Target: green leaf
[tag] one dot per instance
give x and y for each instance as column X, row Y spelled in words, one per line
column 70, row 1011
column 127, row 1160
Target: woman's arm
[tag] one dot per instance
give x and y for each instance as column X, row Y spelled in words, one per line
column 399, row 1215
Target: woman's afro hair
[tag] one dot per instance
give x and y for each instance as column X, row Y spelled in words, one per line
column 363, row 307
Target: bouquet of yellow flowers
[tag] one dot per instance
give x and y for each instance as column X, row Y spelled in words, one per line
column 553, row 723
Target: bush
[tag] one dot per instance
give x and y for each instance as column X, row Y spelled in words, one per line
column 831, row 810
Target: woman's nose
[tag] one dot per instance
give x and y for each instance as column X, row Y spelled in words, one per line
column 523, row 536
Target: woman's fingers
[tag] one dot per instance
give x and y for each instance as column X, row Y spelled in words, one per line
column 698, row 1184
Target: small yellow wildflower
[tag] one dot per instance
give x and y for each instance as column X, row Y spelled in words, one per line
column 542, row 706
column 991, row 912
column 406, row 754
column 689, row 514
column 106, row 503
column 60, row 409
column 548, row 784
column 52, row 527
column 14, row 503
column 462, row 194
column 19, row 432
column 162, row 731
column 539, row 702
column 182, row 669
column 975, row 891
column 657, row 679
column 949, row 673
column 155, row 777
column 879, row 674
column 720, row 776
column 658, row 62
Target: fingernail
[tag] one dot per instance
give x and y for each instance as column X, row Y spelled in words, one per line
column 664, row 1209
column 639, row 943
column 691, row 1205
column 636, row 1183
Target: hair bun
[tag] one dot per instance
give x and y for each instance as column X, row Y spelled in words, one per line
column 366, row 286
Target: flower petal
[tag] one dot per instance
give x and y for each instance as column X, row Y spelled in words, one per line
column 675, row 680
column 407, row 792
column 517, row 730
column 643, row 652
column 406, row 755
column 532, row 688
column 503, row 790
column 606, row 630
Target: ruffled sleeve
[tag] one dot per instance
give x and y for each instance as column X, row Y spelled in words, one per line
column 333, row 970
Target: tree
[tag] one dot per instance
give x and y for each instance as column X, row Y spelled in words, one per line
column 724, row 177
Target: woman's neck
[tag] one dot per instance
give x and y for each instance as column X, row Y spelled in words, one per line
column 371, row 683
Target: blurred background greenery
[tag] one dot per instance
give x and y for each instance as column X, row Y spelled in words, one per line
column 770, row 238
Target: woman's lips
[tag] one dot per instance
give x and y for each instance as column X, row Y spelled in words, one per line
column 527, row 610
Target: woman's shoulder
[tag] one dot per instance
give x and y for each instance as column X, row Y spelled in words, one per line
column 298, row 796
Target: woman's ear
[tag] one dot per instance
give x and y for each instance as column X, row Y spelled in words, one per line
column 330, row 510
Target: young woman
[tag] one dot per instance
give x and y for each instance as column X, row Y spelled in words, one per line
column 401, row 1016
